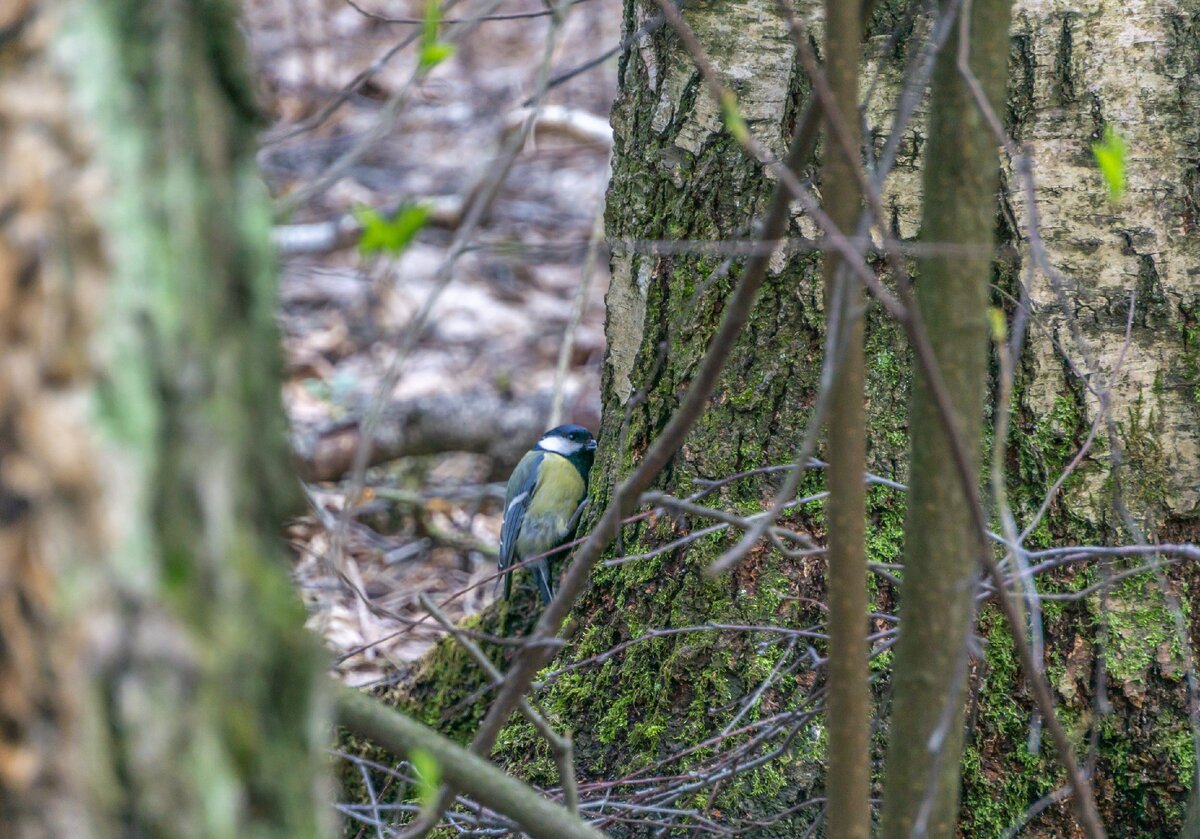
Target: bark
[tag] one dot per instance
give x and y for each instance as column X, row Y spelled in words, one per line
column 679, row 175
column 943, row 543
column 849, row 779
column 158, row 681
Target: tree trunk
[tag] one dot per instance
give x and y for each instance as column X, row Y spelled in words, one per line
column 158, row 681
column 943, row 541
column 678, row 174
column 848, row 783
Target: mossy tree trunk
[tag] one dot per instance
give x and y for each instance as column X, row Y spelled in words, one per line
column 677, row 174
column 158, row 681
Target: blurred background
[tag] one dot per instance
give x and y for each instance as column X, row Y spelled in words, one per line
column 456, row 339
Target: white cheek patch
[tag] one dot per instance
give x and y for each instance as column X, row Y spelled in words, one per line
column 559, row 445
column 516, row 501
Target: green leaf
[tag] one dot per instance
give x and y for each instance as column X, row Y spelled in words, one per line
column 1110, row 157
column 734, row 123
column 996, row 321
column 432, row 51
column 429, row 777
column 390, row 235
column 435, row 53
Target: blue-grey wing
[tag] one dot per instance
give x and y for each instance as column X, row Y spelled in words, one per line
column 516, row 502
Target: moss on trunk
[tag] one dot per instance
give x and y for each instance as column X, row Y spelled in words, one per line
column 678, row 175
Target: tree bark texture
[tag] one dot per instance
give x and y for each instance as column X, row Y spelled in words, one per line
column 678, row 174
column 157, row 679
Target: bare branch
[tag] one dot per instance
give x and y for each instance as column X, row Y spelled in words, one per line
column 370, row 718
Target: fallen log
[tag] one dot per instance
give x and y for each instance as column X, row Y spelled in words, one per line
column 482, row 422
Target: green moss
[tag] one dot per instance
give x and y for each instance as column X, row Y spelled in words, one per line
column 1043, row 446
column 1141, row 788
column 1001, row 777
column 1140, row 629
column 885, row 537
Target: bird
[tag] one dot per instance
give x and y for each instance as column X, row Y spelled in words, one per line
column 543, row 502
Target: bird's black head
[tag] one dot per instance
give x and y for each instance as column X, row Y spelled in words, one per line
column 574, row 442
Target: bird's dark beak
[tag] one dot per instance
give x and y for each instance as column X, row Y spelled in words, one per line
column 591, row 445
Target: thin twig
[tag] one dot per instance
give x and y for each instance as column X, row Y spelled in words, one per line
column 568, row 340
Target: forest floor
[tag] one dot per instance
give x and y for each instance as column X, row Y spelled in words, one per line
column 426, row 525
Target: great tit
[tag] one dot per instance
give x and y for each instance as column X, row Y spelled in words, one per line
column 543, row 502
